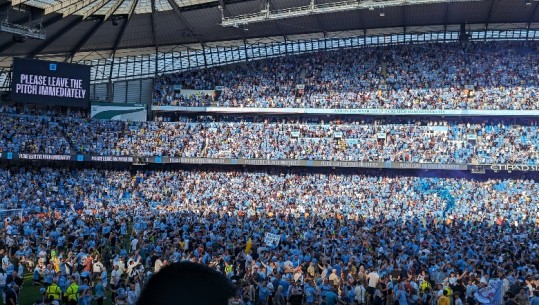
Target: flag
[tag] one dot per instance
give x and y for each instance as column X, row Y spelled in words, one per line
column 248, row 246
column 492, row 294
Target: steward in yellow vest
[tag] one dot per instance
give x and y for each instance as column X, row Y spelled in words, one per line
column 53, row 291
column 72, row 293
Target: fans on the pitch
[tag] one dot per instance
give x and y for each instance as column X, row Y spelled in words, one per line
column 335, row 232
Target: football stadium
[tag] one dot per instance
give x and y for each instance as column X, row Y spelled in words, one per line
column 269, row 152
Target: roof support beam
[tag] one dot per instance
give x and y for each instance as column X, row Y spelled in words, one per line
column 52, row 39
column 361, row 22
column 113, row 8
column 184, row 21
column 530, row 17
column 75, row 6
column 84, row 39
column 55, row 7
column 154, row 32
column 17, row 2
column 317, row 18
column 404, row 16
column 98, row 4
column 265, row 5
column 489, row 14
column 446, row 14
column 110, row 89
column 124, row 26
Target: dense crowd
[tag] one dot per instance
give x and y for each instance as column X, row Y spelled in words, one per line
column 90, row 234
column 480, row 75
column 395, row 140
column 32, row 134
column 291, row 236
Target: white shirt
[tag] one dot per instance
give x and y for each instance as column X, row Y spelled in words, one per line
column 98, row 267
column 373, row 279
column 114, row 277
column 5, row 262
column 121, row 268
column 134, row 244
column 157, row 266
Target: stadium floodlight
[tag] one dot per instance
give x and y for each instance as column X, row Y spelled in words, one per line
column 323, row 8
column 22, row 30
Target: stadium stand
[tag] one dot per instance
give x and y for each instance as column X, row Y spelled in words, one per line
column 365, row 140
column 429, row 76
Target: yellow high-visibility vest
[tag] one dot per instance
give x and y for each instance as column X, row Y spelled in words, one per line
column 54, row 291
column 72, row 292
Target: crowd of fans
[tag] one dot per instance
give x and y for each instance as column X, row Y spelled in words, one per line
column 395, row 140
column 344, row 238
column 92, row 234
column 480, row 75
column 32, row 134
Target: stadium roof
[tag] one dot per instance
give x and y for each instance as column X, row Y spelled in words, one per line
column 78, row 26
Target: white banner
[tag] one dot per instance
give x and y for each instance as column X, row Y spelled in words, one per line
column 272, row 240
column 192, row 92
column 416, row 112
column 229, row 109
column 125, row 112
